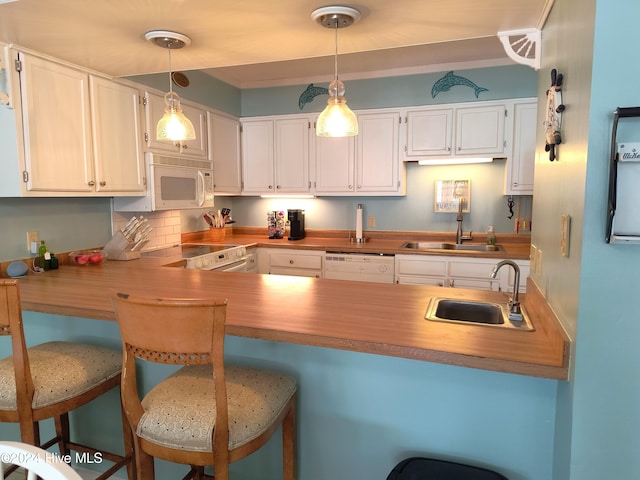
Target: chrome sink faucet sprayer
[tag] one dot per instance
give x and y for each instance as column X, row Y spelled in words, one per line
column 515, row 312
column 460, row 236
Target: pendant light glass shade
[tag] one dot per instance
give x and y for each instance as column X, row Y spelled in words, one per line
column 174, row 125
column 337, row 119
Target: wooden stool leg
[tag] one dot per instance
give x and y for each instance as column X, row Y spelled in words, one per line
column 62, row 432
column 30, row 432
column 144, row 462
column 129, row 451
column 289, row 442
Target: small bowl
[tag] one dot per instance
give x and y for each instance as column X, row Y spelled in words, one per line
column 88, row 257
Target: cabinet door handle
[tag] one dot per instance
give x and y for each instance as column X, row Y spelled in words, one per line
column 91, row 183
column 291, row 262
column 103, row 183
column 277, row 187
column 270, row 187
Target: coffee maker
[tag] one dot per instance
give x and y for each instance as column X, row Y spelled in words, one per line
column 296, row 224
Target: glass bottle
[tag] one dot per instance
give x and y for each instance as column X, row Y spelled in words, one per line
column 491, row 236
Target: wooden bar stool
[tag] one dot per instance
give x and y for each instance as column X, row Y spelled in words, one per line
column 207, row 413
column 50, row 380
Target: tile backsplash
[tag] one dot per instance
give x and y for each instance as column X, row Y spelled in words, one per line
column 166, row 226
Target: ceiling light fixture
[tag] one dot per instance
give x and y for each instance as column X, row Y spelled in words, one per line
column 173, row 125
column 337, row 119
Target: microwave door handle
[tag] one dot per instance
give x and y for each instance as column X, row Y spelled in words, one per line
column 201, row 193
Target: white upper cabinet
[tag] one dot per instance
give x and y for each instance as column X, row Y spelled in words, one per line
column 520, row 164
column 154, row 109
column 275, row 155
column 480, row 130
column 378, row 170
column 224, row 153
column 430, row 132
column 456, row 130
column 335, row 165
column 80, row 132
column 367, row 164
column 56, row 127
column 115, row 114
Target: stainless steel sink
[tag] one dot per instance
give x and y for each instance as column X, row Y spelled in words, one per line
column 442, row 309
column 450, row 246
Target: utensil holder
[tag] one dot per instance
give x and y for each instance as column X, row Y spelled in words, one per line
column 217, row 234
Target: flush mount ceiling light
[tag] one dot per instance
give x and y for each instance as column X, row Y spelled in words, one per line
column 173, row 125
column 337, row 119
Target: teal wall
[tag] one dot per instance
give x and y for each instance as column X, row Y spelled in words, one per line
column 359, row 414
column 513, row 81
column 413, row 212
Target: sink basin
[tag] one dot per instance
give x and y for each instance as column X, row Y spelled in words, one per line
column 475, row 312
column 450, row 246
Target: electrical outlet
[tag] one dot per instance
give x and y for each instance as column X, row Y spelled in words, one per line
column 33, row 240
column 371, row 221
column 538, row 267
column 533, row 258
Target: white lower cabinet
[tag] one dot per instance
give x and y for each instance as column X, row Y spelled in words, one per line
column 300, row 263
column 450, row 271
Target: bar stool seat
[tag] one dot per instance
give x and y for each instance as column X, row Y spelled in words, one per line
column 52, row 379
column 61, row 371
column 180, row 412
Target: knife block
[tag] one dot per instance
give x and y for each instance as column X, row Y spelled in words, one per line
column 119, row 248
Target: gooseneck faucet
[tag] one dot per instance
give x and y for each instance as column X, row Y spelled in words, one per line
column 459, row 234
column 515, row 312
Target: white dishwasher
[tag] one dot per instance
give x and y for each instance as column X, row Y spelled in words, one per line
column 365, row 267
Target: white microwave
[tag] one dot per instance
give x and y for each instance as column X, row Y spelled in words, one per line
column 172, row 184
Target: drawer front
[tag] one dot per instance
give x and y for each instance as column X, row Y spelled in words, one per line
column 470, row 270
column 297, row 272
column 296, row 261
column 420, row 280
column 420, row 266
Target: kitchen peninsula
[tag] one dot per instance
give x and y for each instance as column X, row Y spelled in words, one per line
column 371, row 369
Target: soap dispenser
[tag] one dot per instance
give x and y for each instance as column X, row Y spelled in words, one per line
column 491, row 236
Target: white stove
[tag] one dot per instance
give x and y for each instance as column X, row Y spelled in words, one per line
column 210, row 257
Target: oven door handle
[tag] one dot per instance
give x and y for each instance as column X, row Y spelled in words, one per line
column 239, row 266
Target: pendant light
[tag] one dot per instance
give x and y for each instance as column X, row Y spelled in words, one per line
column 337, row 119
column 173, row 125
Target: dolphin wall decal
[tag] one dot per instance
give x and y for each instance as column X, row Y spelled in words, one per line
column 451, row 80
column 310, row 93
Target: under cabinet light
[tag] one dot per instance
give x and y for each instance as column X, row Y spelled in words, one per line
column 275, row 195
column 454, row 161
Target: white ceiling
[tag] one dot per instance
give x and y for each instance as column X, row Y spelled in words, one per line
column 254, row 43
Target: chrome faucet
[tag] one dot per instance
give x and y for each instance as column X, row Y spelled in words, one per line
column 460, row 236
column 515, row 312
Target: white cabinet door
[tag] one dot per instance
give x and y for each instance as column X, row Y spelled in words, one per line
column 275, row 155
column 56, row 127
column 480, row 130
column 335, row 165
column 520, row 165
column 224, row 153
column 154, row 109
column 429, row 132
column 117, row 150
column 257, row 157
column 377, row 164
column 292, row 155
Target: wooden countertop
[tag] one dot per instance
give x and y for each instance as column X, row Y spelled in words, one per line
column 515, row 247
column 359, row 316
